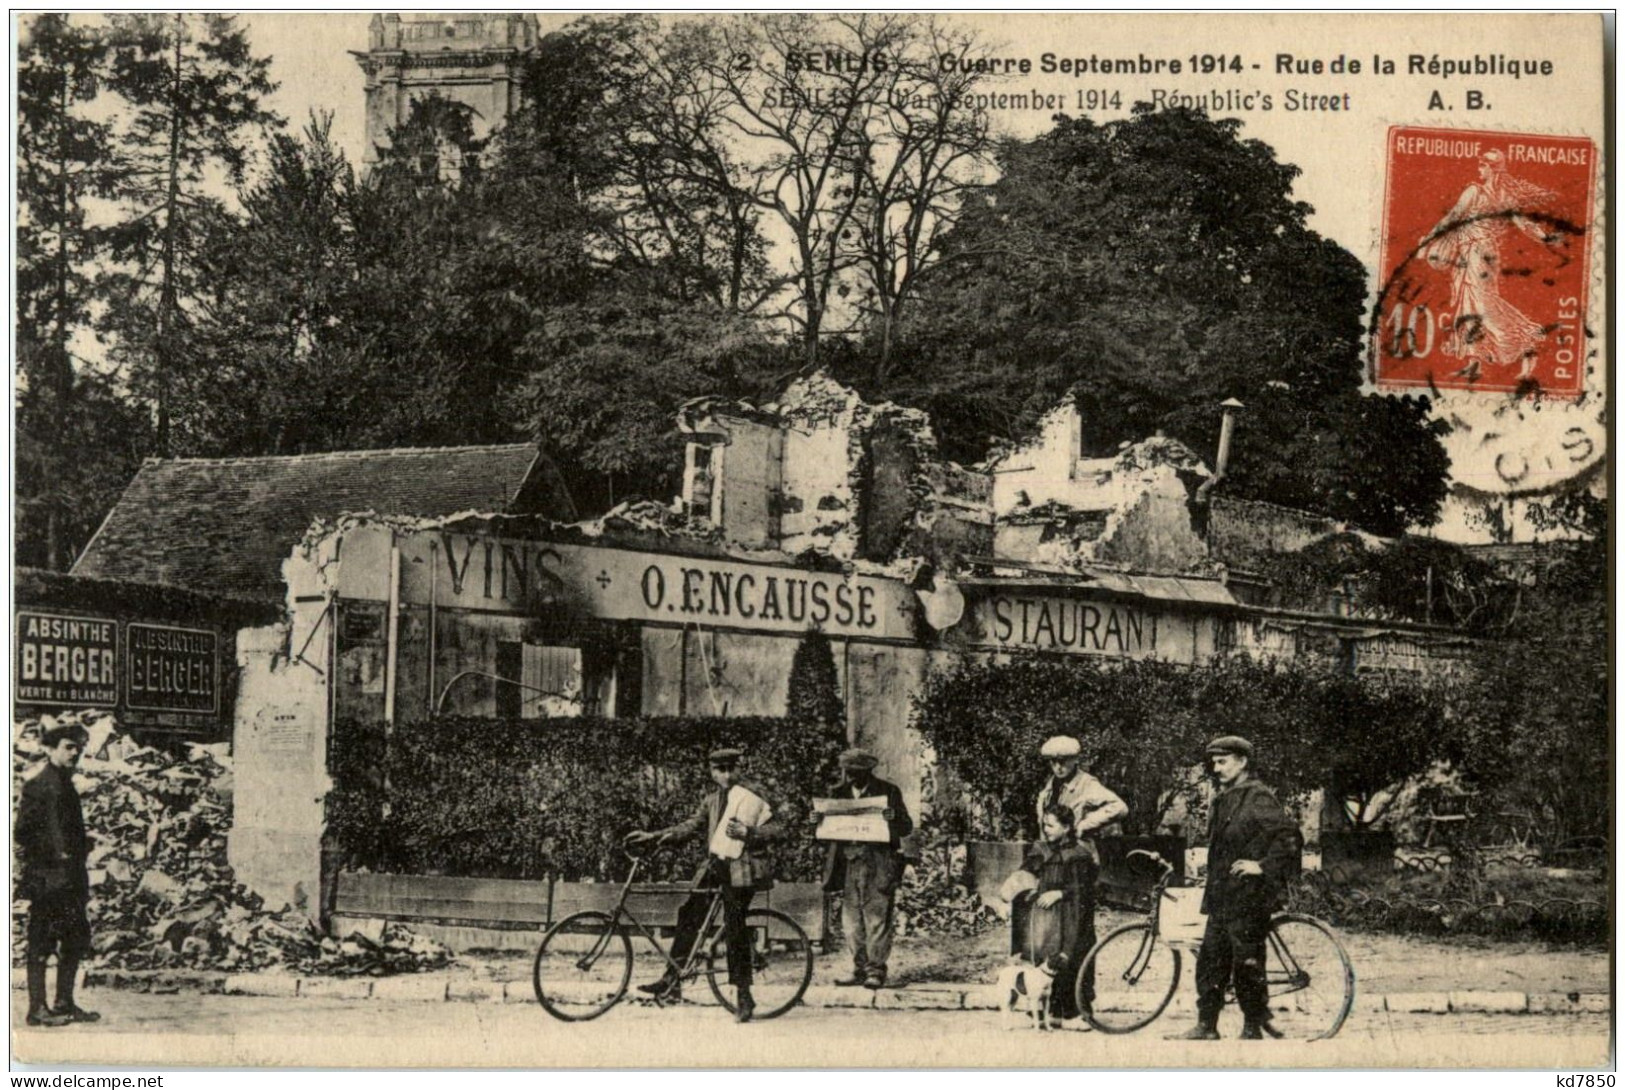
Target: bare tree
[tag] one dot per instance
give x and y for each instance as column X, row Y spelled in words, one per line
column 921, row 154
column 857, row 141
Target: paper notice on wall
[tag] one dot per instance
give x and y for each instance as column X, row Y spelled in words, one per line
column 748, row 808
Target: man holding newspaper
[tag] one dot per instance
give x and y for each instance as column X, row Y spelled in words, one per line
column 865, row 822
column 737, row 823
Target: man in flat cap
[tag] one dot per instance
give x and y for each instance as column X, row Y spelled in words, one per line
column 1096, row 811
column 867, row 874
column 1096, row 808
column 50, row 834
column 739, row 879
column 1254, row 849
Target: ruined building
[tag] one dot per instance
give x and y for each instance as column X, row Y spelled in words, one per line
column 461, row 583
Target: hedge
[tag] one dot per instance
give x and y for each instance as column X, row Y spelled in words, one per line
column 1144, row 724
column 532, row 798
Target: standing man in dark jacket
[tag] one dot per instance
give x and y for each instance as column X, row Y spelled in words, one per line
column 50, row 833
column 738, row 878
column 1254, row 848
column 867, row 873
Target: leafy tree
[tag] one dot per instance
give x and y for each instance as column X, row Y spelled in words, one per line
column 73, row 460
column 1536, row 716
column 1381, row 732
column 65, row 162
column 1154, row 267
column 649, row 140
column 194, row 91
column 608, row 375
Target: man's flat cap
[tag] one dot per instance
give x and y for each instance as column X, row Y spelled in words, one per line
column 1060, row 746
column 52, row 737
column 1230, row 743
column 727, row 755
column 858, row 759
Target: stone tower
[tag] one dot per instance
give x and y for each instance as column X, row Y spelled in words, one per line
column 467, row 57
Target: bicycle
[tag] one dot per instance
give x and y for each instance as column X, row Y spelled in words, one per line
column 1136, row 968
column 583, row 966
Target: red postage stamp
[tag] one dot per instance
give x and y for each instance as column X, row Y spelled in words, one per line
column 1485, row 245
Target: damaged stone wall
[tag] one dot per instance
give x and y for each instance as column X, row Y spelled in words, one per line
column 838, row 476
column 825, row 424
column 1133, row 511
column 881, row 683
column 279, row 748
column 1243, row 533
column 700, row 671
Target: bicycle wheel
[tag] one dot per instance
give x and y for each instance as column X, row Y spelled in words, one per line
column 1310, row 977
column 781, row 964
column 1135, row 974
column 583, row 967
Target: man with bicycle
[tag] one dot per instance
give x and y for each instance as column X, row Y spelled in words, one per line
column 738, row 880
column 1254, row 849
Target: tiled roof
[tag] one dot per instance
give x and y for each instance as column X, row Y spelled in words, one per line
column 227, row 524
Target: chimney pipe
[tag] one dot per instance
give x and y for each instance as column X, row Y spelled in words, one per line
column 1226, row 430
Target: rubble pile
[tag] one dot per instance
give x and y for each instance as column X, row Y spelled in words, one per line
column 931, row 901
column 163, row 895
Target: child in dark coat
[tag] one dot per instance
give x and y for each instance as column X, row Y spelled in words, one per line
column 1061, row 927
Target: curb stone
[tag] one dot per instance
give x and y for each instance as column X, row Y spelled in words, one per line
column 330, row 988
column 423, row 989
column 1369, row 1004
column 829, row 996
column 516, row 992
column 474, row 991
column 275, row 985
column 1490, row 1002
column 440, row 988
column 932, row 999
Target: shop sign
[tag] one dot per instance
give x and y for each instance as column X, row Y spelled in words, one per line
column 172, row 669
column 66, row 660
column 1074, row 626
column 468, row 571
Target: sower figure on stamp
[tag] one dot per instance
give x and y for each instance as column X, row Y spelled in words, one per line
column 867, row 874
column 51, row 837
column 1487, row 330
column 739, row 879
column 1254, row 849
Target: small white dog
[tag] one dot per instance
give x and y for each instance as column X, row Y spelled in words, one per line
column 1024, row 987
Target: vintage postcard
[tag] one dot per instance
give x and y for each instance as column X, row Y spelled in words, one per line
column 811, row 540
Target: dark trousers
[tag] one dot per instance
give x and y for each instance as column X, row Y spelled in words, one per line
column 56, row 925
column 866, row 907
column 1233, row 951
column 735, row 903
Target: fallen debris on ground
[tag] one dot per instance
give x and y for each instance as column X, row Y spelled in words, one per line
column 163, row 895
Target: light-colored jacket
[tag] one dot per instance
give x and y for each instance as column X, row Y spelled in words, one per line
column 1095, row 808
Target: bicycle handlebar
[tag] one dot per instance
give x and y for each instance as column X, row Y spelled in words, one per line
column 1153, row 856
